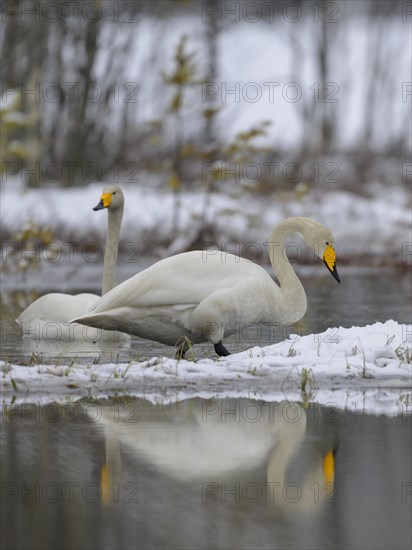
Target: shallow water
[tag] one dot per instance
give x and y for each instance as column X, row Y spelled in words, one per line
column 363, row 297
column 203, row 474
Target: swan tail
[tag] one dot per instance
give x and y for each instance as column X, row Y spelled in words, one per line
column 97, row 320
column 113, row 321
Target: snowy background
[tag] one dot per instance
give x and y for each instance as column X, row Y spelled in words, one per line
column 231, row 115
column 365, row 229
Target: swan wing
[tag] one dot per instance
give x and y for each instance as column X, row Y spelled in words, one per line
column 181, row 281
column 179, row 295
column 88, row 298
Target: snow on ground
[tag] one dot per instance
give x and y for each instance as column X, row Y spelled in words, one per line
column 238, row 217
column 367, row 369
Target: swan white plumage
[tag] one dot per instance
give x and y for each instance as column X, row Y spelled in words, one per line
column 58, row 309
column 206, row 295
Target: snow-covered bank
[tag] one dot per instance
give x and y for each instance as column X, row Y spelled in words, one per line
column 241, row 221
column 362, row 368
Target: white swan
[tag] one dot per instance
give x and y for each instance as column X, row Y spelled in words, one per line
column 49, row 316
column 204, row 296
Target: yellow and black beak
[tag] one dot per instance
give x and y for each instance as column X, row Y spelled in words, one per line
column 329, row 259
column 105, row 201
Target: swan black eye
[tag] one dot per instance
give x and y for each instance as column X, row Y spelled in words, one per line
column 114, row 192
column 327, row 244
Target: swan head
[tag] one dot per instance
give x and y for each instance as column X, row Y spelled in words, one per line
column 321, row 241
column 112, row 198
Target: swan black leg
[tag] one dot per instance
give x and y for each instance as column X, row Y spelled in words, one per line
column 180, row 352
column 221, row 350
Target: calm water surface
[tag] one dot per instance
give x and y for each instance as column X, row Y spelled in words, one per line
column 203, row 474
column 363, row 297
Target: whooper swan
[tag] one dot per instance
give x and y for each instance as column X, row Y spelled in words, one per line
column 204, row 296
column 60, row 308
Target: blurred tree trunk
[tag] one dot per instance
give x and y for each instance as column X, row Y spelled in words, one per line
column 375, row 84
column 13, row 42
column 123, row 52
column 327, row 125
column 210, row 146
column 307, row 112
column 316, row 110
column 24, row 46
column 78, row 123
column 212, row 57
column 55, row 70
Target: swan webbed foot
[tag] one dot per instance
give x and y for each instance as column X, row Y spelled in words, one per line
column 221, row 350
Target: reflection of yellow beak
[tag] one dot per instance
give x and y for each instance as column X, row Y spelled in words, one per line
column 105, row 483
column 329, row 467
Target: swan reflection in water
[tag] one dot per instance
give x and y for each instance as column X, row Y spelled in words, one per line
column 250, row 445
column 90, row 344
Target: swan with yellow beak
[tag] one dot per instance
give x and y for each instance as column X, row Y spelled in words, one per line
column 201, row 296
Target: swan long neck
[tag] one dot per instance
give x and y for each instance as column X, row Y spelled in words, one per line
column 295, row 303
column 111, row 249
